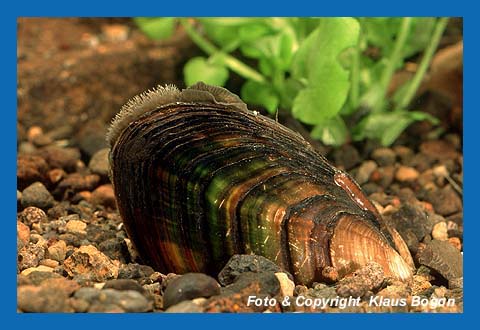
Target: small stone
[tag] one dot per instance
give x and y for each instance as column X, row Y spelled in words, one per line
column 38, row 277
column 57, row 157
column 32, row 215
column 104, row 195
column 440, row 171
column 455, row 283
column 77, row 182
column 30, row 169
column 455, row 242
column 241, row 263
column 384, row 156
column 440, row 232
column 346, row 156
column 115, row 32
column 30, row 256
column 445, row 201
column 42, row 300
column 77, row 227
column 264, row 283
column 91, row 137
column 37, row 195
column 115, row 248
column 406, row 173
column 90, row 262
column 40, row 268
column 383, row 175
column 443, row 258
column 23, row 235
column 65, row 285
column 110, row 300
column 286, row 285
column 190, row 286
column 367, row 279
column 56, row 175
column 123, row 285
column 57, row 251
column 99, row 162
column 186, row 306
column 420, row 284
column 404, row 153
column 365, row 170
column 49, row 263
column 438, row 150
column 33, row 132
column 135, row 271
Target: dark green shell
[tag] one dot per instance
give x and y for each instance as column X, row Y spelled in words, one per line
column 198, row 178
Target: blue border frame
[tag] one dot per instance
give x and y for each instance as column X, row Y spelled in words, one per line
column 223, row 8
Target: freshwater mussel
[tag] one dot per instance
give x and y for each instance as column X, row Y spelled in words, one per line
column 198, row 177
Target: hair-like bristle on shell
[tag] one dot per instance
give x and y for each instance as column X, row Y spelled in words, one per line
column 165, row 95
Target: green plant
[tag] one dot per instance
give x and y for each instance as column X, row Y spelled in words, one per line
column 315, row 67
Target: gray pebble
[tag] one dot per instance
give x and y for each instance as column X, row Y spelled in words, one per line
column 37, row 195
column 190, row 286
column 384, row 156
column 99, row 162
column 186, row 306
column 243, row 263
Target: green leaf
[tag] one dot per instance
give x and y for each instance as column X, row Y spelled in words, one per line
column 260, row 94
column 387, row 127
column 317, row 61
column 156, row 28
column 208, row 71
column 313, row 105
column 332, row 132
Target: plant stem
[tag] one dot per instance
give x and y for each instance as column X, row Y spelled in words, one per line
column 424, row 64
column 229, row 61
column 393, row 61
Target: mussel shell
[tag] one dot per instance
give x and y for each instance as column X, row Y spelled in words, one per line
column 198, row 178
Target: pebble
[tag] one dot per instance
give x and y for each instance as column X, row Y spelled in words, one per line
column 440, row 231
column 77, row 227
column 108, row 300
column 42, row 300
column 441, row 257
column 438, row 150
column 92, row 263
column 104, row 195
column 367, row 279
column 408, row 220
column 346, row 156
column 286, row 285
column 23, row 235
column 189, row 286
column 30, row 255
column 264, row 283
column 115, row 32
column 384, row 156
column 77, row 182
column 406, row 174
column 30, row 169
column 241, row 263
column 115, row 248
column 61, row 283
column 57, row 250
column 455, row 242
column 123, row 285
column 186, row 306
column 99, row 163
column 91, row 137
column 404, row 153
column 135, row 271
column 56, row 175
column 365, row 170
column 37, row 277
column 49, row 263
column 57, row 157
column 37, row 195
column 40, row 268
column 383, row 176
column 445, row 201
